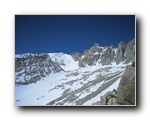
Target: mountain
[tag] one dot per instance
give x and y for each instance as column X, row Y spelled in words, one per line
column 30, row 68
column 75, row 79
column 107, row 55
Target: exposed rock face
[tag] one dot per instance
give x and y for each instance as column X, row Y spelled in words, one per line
column 107, row 55
column 30, row 68
column 126, row 88
column 129, row 54
column 125, row 94
column 97, row 55
column 120, row 52
column 76, row 55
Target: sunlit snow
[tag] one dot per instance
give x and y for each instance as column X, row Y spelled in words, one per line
column 54, row 86
column 66, row 61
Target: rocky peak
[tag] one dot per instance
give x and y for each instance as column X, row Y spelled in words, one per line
column 108, row 55
column 121, row 44
column 96, row 44
column 94, row 49
column 125, row 52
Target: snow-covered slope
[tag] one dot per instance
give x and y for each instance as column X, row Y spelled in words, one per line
column 83, row 86
column 65, row 61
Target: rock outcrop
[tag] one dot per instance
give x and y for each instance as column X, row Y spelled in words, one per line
column 125, row 94
column 97, row 55
column 109, row 98
column 126, row 88
column 29, row 68
column 125, row 53
column 76, row 56
column 119, row 57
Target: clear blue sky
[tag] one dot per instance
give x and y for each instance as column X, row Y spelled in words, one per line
column 70, row 33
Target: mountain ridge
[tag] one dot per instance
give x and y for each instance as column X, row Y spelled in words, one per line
column 56, row 62
column 72, row 79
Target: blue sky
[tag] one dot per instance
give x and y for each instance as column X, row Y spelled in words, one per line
column 70, row 33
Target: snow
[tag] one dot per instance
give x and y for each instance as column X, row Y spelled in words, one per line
column 105, row 49
column 92, row 89
column 110, row 88
column 66, row 61
column 115, row 49
column 53, row 86
column 73, row 78
column 96, row 53
column 32, row 94
column 82, row 56
column 23, row 55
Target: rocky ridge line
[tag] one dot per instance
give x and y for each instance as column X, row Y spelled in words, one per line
column 33, row 67
column 106, row 55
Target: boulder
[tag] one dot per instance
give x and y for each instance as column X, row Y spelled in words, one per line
column 103, row 100
column 126, row 88
column 114, row 100
column 109, row 98
column 109, row 101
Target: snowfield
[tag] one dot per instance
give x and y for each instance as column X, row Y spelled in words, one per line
column 66, row 61
column 74, row 86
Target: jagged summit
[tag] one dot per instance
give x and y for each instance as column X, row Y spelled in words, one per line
column 96, row 44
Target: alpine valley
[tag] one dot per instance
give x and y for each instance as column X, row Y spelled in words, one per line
column 98, row 76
